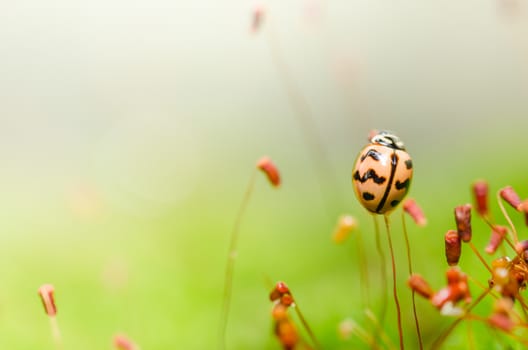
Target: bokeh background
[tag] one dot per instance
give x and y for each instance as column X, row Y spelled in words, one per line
column 129, row 131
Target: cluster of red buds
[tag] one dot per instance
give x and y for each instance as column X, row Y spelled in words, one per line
column 284, row 328
column 509, row 276
column 445, row 299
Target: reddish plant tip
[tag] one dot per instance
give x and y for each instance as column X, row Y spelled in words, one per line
column 286, row 299
column 418, row 284
column 411, row 207
column 496, row 238
column 453, row 247
column 372, row 133
column 46, row 295
column 457, row 289
column 480, row 191
column 266, row 165
column 280, row 289
column 257, row 17
column 345, row 225
column 463, row 221
column 511, row 197
column 524, row 208
column 121, row 342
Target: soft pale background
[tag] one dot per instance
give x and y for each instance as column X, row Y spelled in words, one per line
column 129, row 129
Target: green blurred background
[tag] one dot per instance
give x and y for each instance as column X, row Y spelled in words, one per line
column 129, row 131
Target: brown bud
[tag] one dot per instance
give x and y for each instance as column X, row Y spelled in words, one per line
column 497, row 235
column 411, row 207
column 452, row 247
column 510, row 196
column 463, row 221
column 345, row 225
column 480, row 191
column 420, row 286
column 46, row 295
column 266, row 165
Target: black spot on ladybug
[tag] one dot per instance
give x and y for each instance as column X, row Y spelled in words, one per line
column 394, row 203
column 402, row 185
column 369, row 174
column 408, row 164
column 372, row 153
column 368, row 196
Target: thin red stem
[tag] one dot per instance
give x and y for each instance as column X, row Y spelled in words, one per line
column 230, row 265
column 394, row 289
column 415, row 313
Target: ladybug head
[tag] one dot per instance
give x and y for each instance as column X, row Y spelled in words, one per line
column 386, row 138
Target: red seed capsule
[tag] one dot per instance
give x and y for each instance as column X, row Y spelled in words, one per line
column 511, row 197
column 463, row 221
column 286, row 299
column 280, row 289
column 453, row 247
column 457, row 289
column 46, row 295
column 420, row 286
column 497, row 235
column 480, row 192
column 266, row 165
column 411, row 207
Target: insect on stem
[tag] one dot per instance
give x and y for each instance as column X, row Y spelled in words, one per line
column 394, row 289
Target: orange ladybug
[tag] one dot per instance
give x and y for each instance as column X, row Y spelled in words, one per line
column 382, row 173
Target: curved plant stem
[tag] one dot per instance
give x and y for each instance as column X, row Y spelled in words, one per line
column 383, row 272
column 443, row 336
column 230, row 265
column 394, row 289
column 415, row 313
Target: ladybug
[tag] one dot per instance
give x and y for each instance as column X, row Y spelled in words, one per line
column 382, row 174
